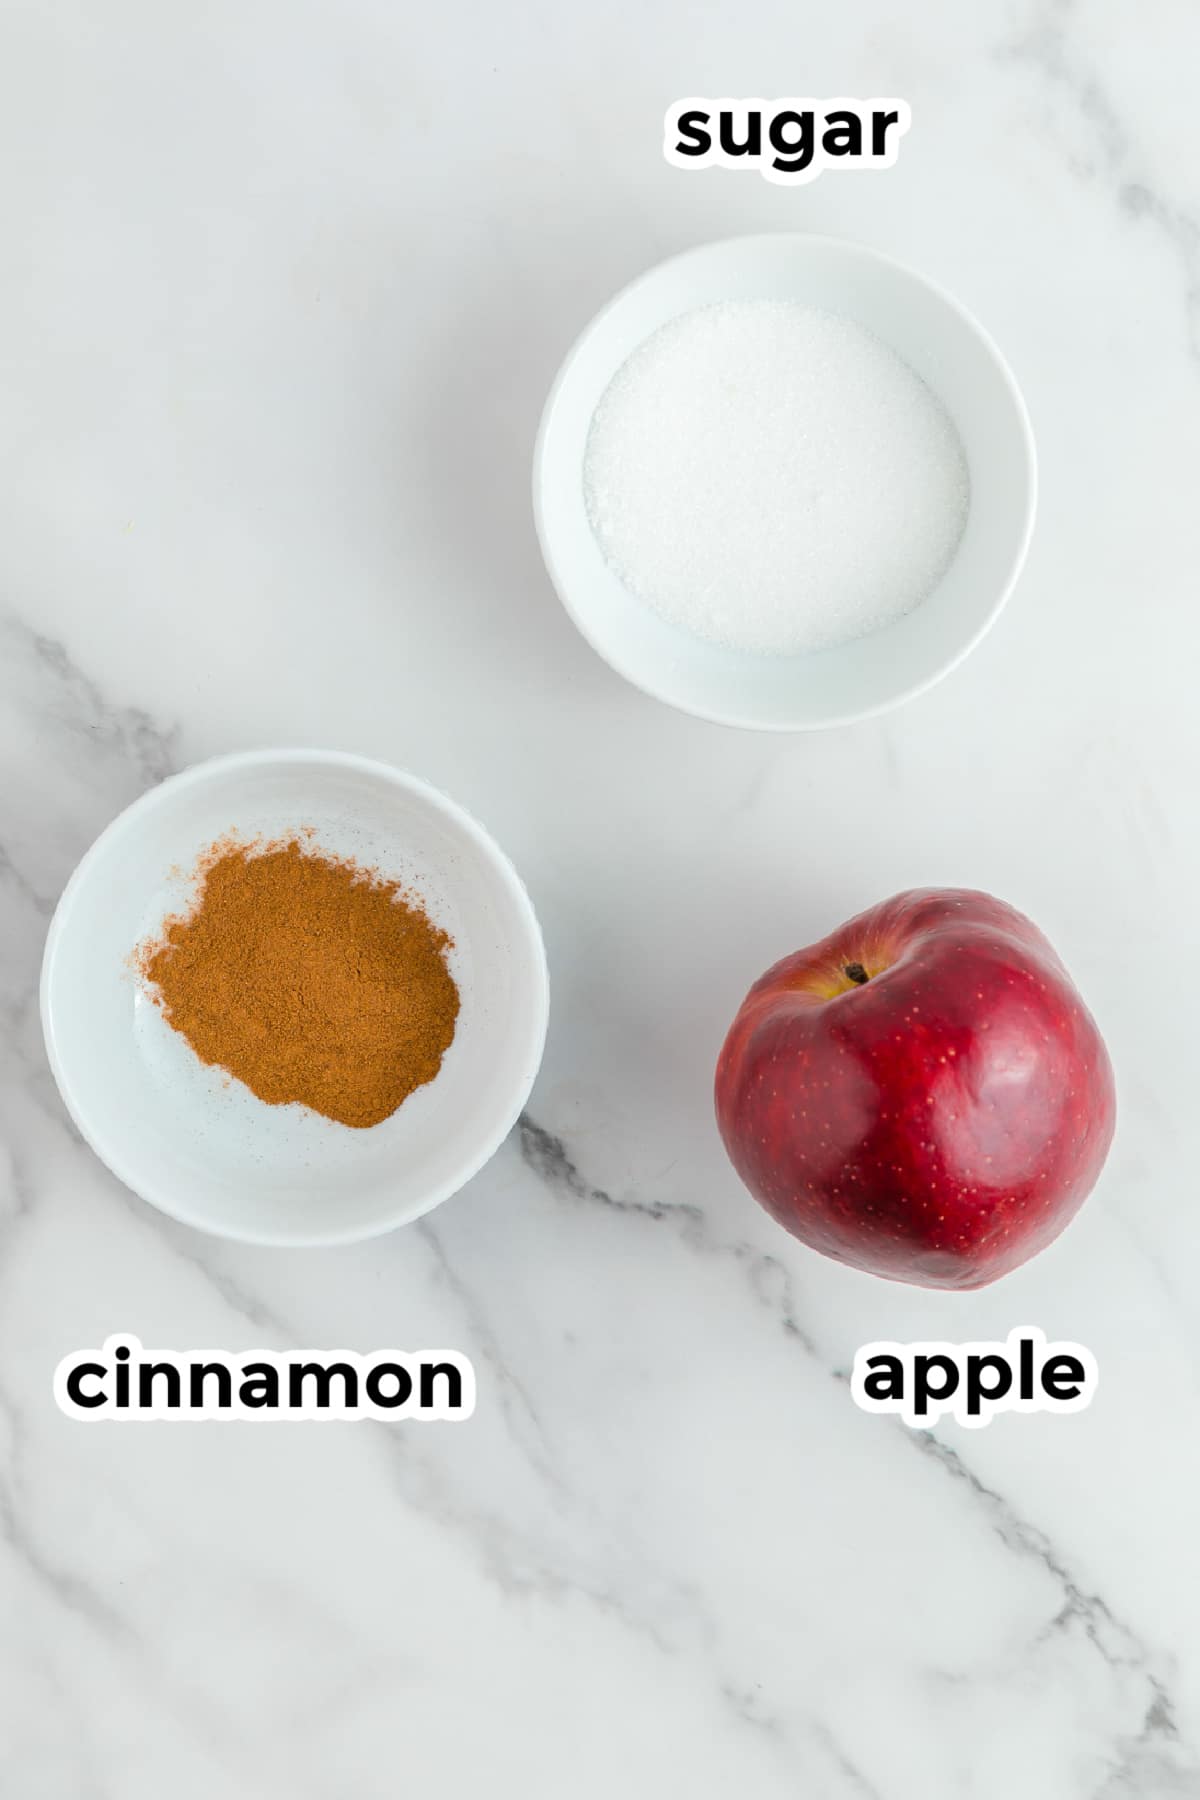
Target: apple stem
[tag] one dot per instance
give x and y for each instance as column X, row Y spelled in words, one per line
column 856, row 973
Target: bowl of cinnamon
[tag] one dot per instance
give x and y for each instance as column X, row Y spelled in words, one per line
column 294, row 997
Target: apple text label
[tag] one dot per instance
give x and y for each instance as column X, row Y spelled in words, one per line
column 788, row 141
column 124, row 1382
column 974, row 1382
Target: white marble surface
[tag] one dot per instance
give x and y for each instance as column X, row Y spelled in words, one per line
column 281, row 290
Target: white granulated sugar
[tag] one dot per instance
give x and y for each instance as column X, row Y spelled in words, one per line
column 774, row 477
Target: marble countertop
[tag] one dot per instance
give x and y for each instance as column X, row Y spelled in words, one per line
column 282, row 291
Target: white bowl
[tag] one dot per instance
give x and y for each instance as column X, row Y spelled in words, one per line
column 937, row 338
column 202, row 1147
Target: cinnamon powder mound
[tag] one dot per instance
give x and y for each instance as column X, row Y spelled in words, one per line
column 308, row 978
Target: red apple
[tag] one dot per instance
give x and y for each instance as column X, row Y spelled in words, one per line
column 923, row 1094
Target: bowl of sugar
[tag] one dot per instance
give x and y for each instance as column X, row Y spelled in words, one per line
column 784, row 482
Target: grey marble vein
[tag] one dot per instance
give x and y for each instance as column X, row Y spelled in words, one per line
column 13, row 877
column 515, row 1399
column 1114, row 1641
column 80, row 707
column 547, row 1157
column 18, row 1192
column 71, row 1591
column 1055, row 47
column 1154, row 1763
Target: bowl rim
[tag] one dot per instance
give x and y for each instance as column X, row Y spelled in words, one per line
column 819, row 242
column 162, row 794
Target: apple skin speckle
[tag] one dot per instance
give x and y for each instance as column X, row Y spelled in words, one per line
column 965, row 1070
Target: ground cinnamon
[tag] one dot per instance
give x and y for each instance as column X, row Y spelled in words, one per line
column 309, row 979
